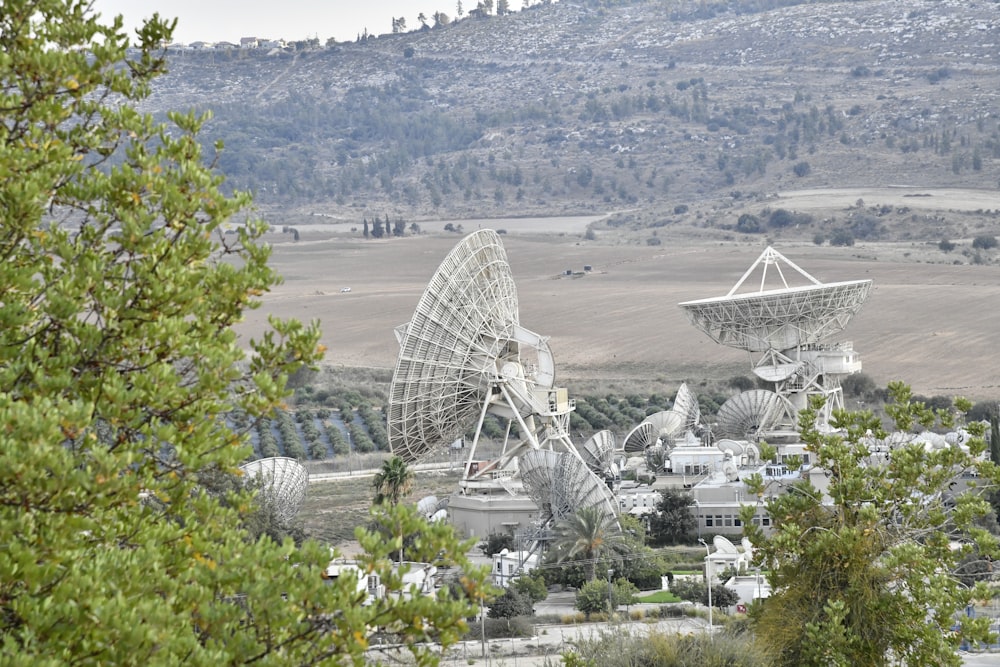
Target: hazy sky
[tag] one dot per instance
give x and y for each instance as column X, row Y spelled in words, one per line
column 228, row 20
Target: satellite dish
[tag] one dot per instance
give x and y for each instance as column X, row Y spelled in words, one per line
column 560, row 484
column 778, row 319
column 283, row 483
column 427, row 505
column 464, row 354
column 686, row 403
column 732, row 447
column 439, row 515
column 723, row 545
column 668, row 424
column 750, row 414
column 598, row 453
column 639, row 438
column 788, row 325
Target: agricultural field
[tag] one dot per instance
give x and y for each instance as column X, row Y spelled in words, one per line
column 931, row 318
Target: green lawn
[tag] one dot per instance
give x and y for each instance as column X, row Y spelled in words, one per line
column 659, row 596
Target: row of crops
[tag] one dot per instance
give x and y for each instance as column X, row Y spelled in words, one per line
column 354, row 424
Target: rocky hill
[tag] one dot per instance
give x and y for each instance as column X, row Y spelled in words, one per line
column 673, row 112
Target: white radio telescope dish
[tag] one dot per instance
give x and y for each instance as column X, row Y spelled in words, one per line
column 464, row 354
column 686, row 404
column 283, row 484
column 778, row 319
column 790, row 326
column 560, row 484
column 598, row 453
column 750, row 414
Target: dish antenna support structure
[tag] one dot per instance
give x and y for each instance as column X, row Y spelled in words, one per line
column 465, row 355
column 789, row 327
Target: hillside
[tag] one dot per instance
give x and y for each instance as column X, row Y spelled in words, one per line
column 677, row 112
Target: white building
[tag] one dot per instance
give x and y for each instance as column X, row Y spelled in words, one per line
column 509, row 565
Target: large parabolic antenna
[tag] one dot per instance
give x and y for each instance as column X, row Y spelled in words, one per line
column 560, row 484
column 789, row 325
column 283, row 483
column 778, row 319
column 464, row 355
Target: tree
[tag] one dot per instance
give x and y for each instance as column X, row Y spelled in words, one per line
column 945, row 245
column 695, row 590
column 531, row 585
column 984, row 242
column 392, row 482
column 867, row 566
column 673, row 523
column 594, row 595
column 495, row 543
column 119, row 366
column 512, row 603
column 587, row 535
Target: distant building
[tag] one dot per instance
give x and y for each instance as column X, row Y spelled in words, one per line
column 249, row 42
column 509, row 565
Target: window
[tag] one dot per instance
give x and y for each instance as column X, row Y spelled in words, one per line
column 708, row 522
column 765, row 521
column 729, row 520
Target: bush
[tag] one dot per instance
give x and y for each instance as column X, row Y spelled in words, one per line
column 984, row 242
column 801, row 169
column 512, row 603
column 842, row 238
column 593, row 596
column 495, row 543
column 501, row 628
column 946, row 246
column 749, row 224
column 607, row 649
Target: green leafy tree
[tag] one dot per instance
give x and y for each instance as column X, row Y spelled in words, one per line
column 868, row 566
column 984, row 242
column 512, row 603
column 695, row 590
column 673, row 523
column 119, row 290
column 495, row 543
column 587, row 535
column 532, row 585
column 594, row 595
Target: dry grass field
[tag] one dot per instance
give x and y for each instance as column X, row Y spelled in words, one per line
column 931, row 319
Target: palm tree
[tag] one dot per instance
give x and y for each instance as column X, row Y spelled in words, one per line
column 393, row 481
column 589, row 534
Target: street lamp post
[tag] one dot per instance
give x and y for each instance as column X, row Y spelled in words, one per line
column 708, row 583
column 611, row 610
column 698, row 505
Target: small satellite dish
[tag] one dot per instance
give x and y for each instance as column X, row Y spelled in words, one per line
column 750, row 414
column 723, row 545
column 427, row 505
column 639, row 438
column 283, row 483
column 598, row 453
column 686, row 403
column 668, row 424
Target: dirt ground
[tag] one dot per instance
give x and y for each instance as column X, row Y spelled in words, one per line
column 931, row 319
